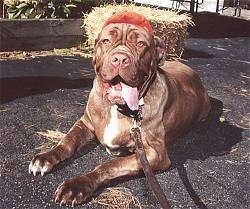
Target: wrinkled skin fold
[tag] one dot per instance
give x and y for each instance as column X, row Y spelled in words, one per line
column 174, row 101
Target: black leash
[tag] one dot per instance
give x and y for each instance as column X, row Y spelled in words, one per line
column 135, row 132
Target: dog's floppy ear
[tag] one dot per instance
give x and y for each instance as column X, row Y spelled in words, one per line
column 160, row 48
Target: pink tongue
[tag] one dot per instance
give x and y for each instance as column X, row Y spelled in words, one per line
column 131, row 96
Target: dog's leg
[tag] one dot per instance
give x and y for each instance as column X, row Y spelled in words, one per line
column 76, row 138
column 77, row 190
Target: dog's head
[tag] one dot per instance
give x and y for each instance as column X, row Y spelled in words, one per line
column 126, row 52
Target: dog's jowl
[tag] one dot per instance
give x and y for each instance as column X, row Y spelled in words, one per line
column 128, row 77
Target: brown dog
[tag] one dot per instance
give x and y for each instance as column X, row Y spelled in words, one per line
column 127, row 76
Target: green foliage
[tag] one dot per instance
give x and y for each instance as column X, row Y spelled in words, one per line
column 50, row 8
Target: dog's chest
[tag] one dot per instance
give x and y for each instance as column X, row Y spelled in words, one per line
column 116, row 131
column 112, row 128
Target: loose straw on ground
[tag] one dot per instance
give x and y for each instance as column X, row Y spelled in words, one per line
column 52, row 137
column 117, row 198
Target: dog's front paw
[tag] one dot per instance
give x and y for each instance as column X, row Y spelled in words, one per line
column 43, row 163
column 74, row 191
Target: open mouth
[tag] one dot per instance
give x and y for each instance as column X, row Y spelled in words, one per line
column 120, row 93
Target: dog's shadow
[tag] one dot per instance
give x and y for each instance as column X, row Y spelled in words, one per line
column 210, row 138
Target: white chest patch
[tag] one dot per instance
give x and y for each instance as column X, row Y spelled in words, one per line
column 112, row 128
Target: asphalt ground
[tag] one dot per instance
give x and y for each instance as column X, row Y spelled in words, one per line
column 210, row 167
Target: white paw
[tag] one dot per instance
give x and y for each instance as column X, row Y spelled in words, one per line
column 37, row 166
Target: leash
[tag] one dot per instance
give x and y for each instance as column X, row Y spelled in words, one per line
column 135, row 132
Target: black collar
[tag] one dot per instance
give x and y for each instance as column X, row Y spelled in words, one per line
column 125, row 110
column 147, row 83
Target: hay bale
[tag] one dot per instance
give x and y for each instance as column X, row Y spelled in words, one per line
column 169, row 25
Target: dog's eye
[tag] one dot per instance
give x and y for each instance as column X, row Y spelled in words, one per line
column 106, row 41
column 140, row 44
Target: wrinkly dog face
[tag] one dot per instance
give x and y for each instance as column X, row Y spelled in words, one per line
column 126, row 54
